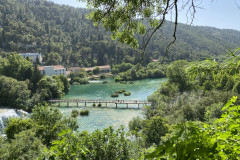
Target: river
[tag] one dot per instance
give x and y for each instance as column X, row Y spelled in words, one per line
column 100, row 118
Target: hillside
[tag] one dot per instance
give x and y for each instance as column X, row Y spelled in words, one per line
column 64, row 35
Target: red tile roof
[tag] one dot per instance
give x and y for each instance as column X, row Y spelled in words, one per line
column 89, row 68
column 58, row 67
column 40, row 68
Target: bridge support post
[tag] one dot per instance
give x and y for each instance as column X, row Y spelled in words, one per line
column 106, row 104
column 68, row 104
column 127, row 105
column 59, row 104
column 138, row 105
column 116, row 105
column 77, row 104
column 85, row 104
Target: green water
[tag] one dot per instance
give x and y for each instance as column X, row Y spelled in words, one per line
column 100, row 118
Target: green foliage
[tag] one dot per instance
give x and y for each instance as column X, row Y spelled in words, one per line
column 96, row 70
column 36, row 77
column 153, row 130
column 15, row 66
column 105, row 144
column 14, row 93
column 153, row 70
column 103, row 76
column 74, row 113
column 65, row 83
column 50, row 87
column 198, row 140
column 135, row 125
column 120, row 91
column 78, row 80
column 53, row 59
column 127, row 93
column 114, row 95
column 84, row 112
column 177, row 75
column 17, row 125
column 25, row 145
column 50, row 122
column 121, row 68
column 64, row 35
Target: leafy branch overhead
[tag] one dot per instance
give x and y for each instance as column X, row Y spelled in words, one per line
column 127, row 19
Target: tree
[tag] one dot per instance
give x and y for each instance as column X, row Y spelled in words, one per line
column 199, row 140
column 49, row 87
column 126, row 18
column 65, row 83
column 36, row 77
column 16, row 66
column 14, row 93
column 107, row 144
column 25, row 145
column 53, row 59
column 96, row 70
column 153, row 129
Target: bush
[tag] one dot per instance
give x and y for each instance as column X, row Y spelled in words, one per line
column 102, row 76
column 127, row 93
column 96, row 70
column 94, row 105
column 78, row 80
column 114, row 95
column 74, row 113
column 135, row 125
column 118, row 79
column 121, row 91
column 84, row 113
column 99, row 104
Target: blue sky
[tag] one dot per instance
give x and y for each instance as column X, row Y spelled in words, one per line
column 223, row 14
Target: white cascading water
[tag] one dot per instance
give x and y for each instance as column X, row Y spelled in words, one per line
column 9, row 113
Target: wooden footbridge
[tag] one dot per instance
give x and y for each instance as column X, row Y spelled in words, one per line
column 95, row 103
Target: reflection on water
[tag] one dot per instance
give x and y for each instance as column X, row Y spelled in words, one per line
column 100, row 118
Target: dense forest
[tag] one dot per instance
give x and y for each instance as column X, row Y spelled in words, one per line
column 193, row 115
column 65, row 36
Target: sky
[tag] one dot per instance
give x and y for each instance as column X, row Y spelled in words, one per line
column 223, row 14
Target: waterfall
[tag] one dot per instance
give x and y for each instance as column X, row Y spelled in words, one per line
column 5, row 114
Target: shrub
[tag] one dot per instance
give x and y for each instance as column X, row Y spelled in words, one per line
column 96, row 70
column 114, row 95
column 118, row 79
column 135, row 125
column 84, row 113
column 127, row 93
column 102, row 76
column 94, row 105
column 74, row 113
column 121, row 91
column 99, row 104
column 76, row 83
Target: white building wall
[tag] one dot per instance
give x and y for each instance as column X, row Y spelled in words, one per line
column 33, row 56
column 50, row 71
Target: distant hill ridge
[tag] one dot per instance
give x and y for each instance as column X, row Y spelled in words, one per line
column 65, row 36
